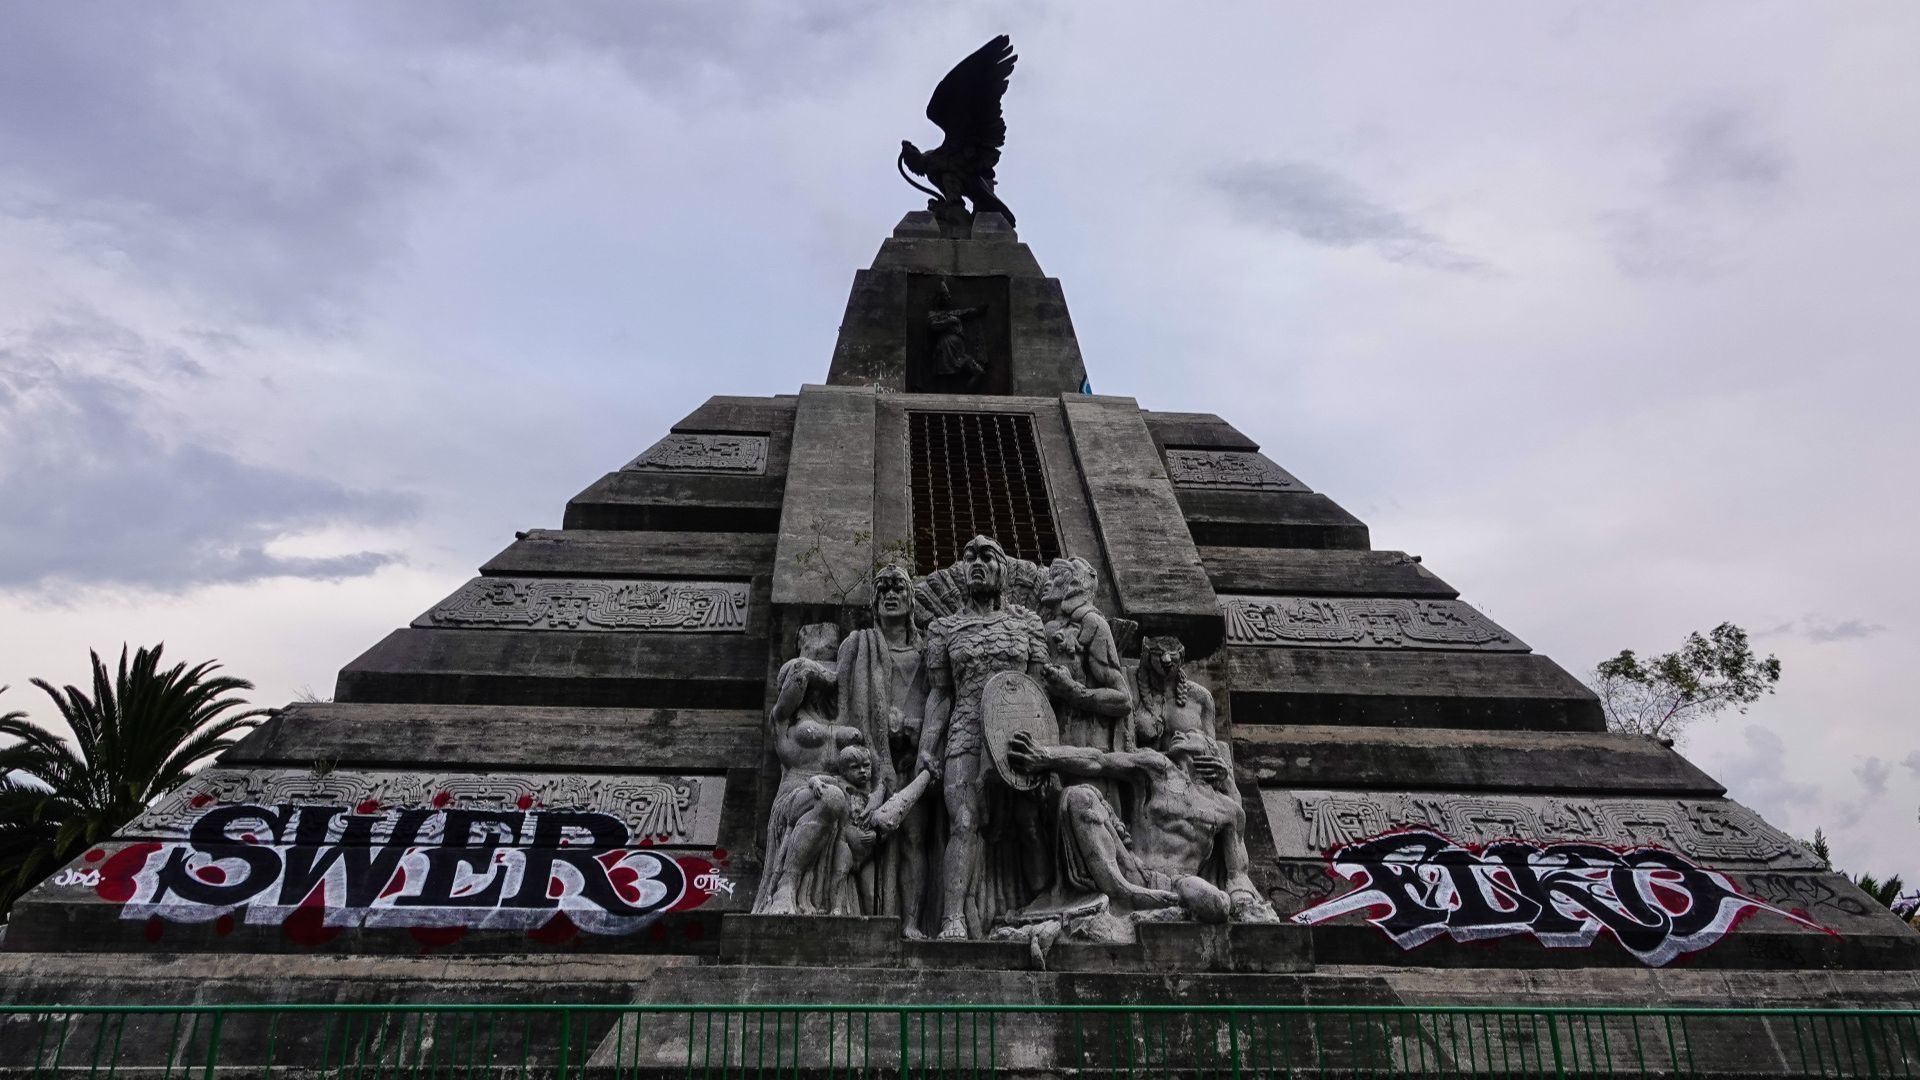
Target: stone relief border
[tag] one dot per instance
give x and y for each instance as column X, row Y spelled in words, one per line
column 1242, row 469
column 1307, row 824
column 705, row 453
column 513, row 603
column 677, row 810
column 1361, row 623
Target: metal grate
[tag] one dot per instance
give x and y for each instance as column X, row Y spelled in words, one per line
column 973, row 474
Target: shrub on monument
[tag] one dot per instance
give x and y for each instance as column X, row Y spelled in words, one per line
column 138, row 736
column 1661, row 696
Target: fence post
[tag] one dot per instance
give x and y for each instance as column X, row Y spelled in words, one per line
column 1866, row 1040
column 1233, row 1041
column 213, row 1042
column 903, row 1045
column 566, row 1041
column 1553, row 1033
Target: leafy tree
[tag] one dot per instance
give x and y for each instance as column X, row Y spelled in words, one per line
column 136, row 737
column 1662, row 696
column 1886, row 892
column 1821, row 850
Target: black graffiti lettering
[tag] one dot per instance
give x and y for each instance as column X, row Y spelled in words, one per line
column 466, row 847
column 1657, row 904
column 553, row 828
column 367, row 866
column 209, row 839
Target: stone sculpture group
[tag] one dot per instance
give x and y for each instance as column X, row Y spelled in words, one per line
column 980, row 769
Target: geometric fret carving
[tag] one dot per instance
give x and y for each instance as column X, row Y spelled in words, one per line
column 1362, row 623
column 594, row 604
column 1228, row 469
column 706, row 453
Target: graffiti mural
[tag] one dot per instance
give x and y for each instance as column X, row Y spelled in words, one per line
column 317, row 870
column 1416, row 885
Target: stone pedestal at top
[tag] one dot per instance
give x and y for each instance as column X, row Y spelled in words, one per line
column 958, row 310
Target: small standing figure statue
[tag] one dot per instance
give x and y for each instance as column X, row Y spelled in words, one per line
column 952, row 356
column 883, row 692
column 1084, row 676
column 807, row 738
column 1166, row 702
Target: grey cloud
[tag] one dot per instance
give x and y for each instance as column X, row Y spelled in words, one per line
column 1872, row 774
column 1759, row 775
column 1323, row 207
column 1912, row 762
column 1823, row 630
column 93, row 496
column 1720, row 150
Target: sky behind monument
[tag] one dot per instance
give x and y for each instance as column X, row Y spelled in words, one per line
column 1605, row 310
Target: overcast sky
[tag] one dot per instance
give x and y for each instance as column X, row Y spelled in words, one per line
column 1607, row 310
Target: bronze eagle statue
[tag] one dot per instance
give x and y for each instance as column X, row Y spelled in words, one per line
column 966, row 106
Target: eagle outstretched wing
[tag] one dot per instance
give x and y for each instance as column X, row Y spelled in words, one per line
column 966, row 107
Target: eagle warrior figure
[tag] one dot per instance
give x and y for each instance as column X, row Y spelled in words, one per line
column 966, row 107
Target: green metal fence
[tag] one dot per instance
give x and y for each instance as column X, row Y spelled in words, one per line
column 949, row 1042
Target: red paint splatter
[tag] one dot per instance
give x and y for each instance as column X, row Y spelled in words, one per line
column 223, row 925
column 440, row 802
column 116, row 875
column 609, row 859
column 556, row 888
column 308, row 924
column 720, row 853
column 524, row 802
column 1673, row 900
column 396, row 883
column 436, row 937
column 212, row 875
column 646, row 841
column 370, row 806
column 249, row 838
column 200, row 800
column 626, row 883
column 558, row 931
column 95, row 855
column 692, row 866
column 154, row 928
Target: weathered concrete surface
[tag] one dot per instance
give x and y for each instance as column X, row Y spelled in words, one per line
column 825, row 553
column 1195, row 431
column 1465, row 760
column 885, row 318
column 699, row 502
column 1156, row 569
column 663, row 553
column 504, row 737
column 1403, row 688
column 1282, row 519
column 1310, row 572
column 558, row 667
column 810, row 940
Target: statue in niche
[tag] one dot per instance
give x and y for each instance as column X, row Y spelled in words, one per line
column 966, row 107
column 883, row 694
column 1190, row 816
column 981, row 880
column 1166, row 702
column 953, row 355
column 1084, row 676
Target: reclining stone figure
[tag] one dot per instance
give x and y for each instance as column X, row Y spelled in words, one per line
column 1190, row 813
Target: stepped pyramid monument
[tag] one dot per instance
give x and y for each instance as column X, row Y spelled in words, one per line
column 946, row 680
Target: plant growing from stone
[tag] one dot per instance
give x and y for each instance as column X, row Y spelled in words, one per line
column 1662, row 696
column 137, row 736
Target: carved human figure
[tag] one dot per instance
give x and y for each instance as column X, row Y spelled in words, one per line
column 883, row 693
column 952, row 355
column 1166, row 702
column 838, row 821
column 965, row 649
column 1190, row 814
column 1091, row 694
column 807, row 739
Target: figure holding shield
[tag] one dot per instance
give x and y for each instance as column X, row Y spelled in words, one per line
column 964, row 651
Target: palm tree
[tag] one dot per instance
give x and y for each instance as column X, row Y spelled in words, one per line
column 136, row 738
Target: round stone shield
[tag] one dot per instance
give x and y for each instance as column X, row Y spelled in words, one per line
column 1011, row 703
